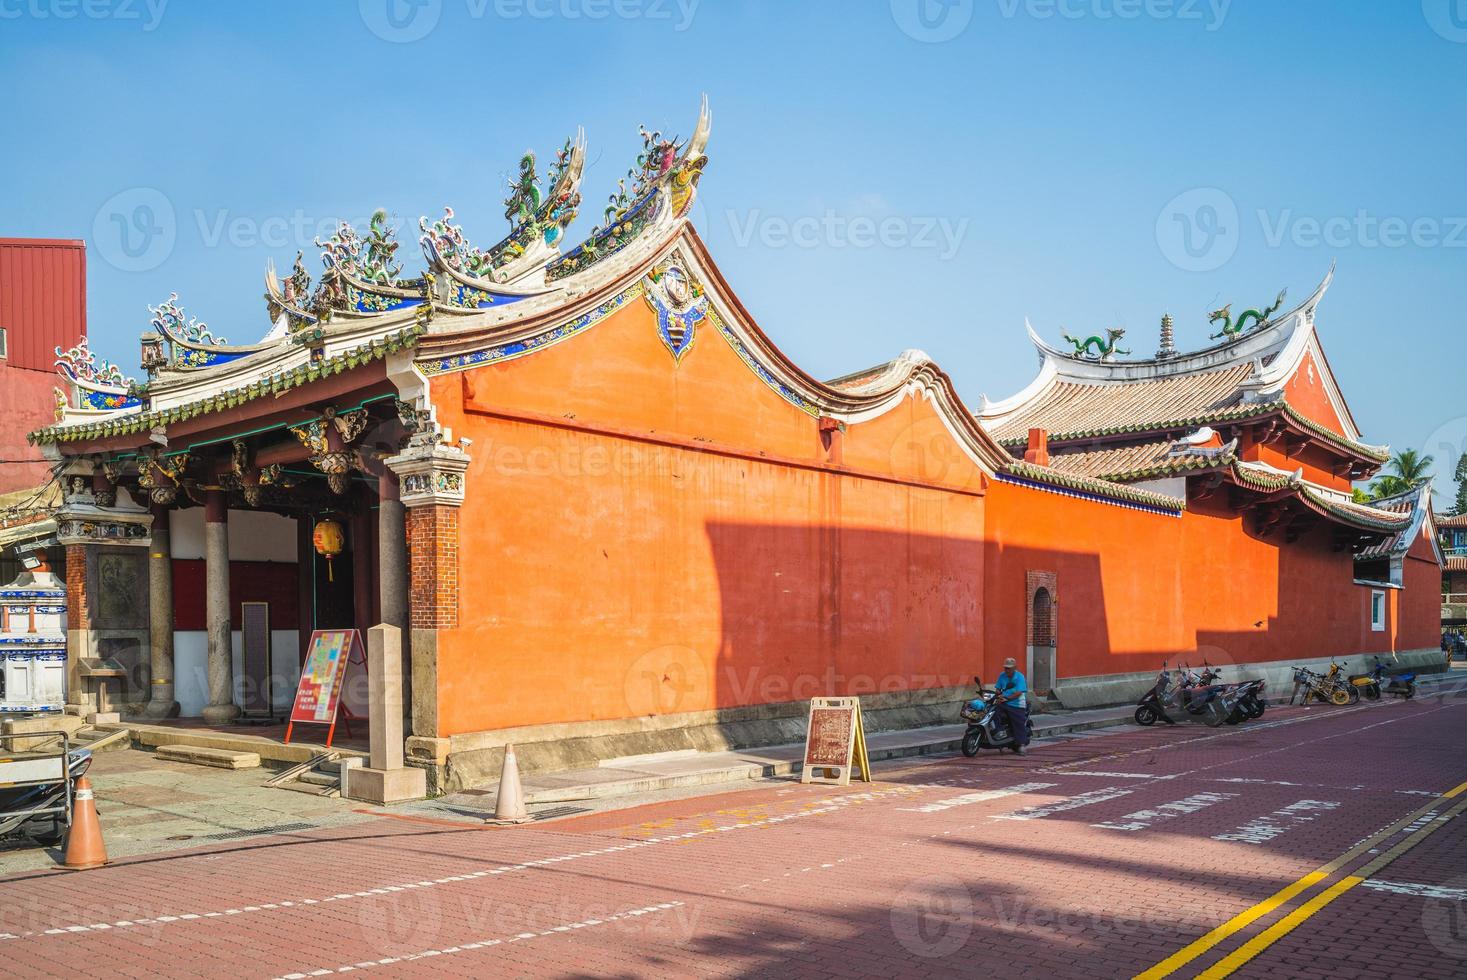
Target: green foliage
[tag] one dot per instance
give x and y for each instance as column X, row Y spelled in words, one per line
column 1405, row 470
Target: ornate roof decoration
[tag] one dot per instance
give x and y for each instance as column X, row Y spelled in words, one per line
column 1078, row 398
column 1257, row 319
column 663, row 182
column 291, row 299
column 100, row 385
column 170, row 320
column 677, row 299
column 119, row 424
column 363, row 277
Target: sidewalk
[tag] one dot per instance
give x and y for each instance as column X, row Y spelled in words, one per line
column 649, row 774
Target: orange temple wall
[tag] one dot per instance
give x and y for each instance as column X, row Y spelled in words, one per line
column 643, row 536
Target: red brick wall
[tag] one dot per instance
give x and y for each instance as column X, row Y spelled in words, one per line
column 433, row 554
column 78, row 617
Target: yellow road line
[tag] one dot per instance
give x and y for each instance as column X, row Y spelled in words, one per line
column 1280, row 929
column 1248, row 916
column 1240, row 956
column 1189, row 953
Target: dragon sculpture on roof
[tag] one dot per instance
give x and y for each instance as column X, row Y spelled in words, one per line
column 1232, row 330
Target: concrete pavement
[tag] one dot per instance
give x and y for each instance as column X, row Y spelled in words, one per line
column 1315, row 840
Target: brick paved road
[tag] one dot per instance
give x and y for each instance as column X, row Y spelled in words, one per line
column 1096, row 856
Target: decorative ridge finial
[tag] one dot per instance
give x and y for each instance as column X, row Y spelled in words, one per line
column 1168, row 348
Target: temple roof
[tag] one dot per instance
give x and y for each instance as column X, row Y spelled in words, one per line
column 1414, row 504
column 1141, row 461
column 1078, row 397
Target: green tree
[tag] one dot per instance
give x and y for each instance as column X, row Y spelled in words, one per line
column 1405, row 470
column 1461, row 477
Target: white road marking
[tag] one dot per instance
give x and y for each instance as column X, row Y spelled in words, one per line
column 1073, row 803
column 1145, row 819
column 1261, row 830
column 1423, row 891
column 830, row 804
column 937, row 806
column 482, row 943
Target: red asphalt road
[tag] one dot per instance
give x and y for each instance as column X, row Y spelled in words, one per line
column 1094, row 856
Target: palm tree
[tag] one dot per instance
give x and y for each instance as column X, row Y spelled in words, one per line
column 1405, row 469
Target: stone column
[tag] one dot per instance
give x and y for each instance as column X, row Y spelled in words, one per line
column 162, row 703
column 432, row 490
column 385, row 780
column 392, row 572
column 221, row 708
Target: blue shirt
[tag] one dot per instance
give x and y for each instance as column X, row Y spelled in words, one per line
column 1013, row 682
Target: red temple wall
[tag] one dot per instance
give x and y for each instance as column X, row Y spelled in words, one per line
column 1305, row 391
column 643, row 536
column 27, row 404
column 1134, row 587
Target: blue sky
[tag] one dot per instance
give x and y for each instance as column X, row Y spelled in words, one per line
column 882, row 175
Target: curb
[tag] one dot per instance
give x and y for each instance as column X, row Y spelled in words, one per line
column 771, row 770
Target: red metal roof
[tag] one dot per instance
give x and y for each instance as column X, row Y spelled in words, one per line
column 43, row 298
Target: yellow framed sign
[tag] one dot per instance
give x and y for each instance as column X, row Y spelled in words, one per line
column 835, row 743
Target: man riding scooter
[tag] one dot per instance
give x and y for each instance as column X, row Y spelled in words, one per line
column 1012, row 699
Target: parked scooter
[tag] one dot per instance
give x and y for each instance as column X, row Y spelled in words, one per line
column 1401, row 683
column 988, row 725
column 1368, row 685
column 1153, row 703
column 39, row 808
column 1214, row 705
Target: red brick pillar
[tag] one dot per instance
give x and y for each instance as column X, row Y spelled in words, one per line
column 433, row 550
column 77, row 615
column 432, row 478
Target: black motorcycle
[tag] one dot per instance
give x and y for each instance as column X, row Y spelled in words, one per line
column 1153, row 704
column 988, row 724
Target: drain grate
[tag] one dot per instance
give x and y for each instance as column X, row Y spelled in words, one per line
column 279, row 828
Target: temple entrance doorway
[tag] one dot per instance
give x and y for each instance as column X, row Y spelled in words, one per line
column 1042, row 644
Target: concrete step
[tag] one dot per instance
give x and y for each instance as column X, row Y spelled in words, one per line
column 676, row 770
column 204, row 756
column 269, row 750
column 320, row 778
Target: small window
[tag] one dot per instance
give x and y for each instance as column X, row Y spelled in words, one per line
column 1377, row 611
column 4, row 348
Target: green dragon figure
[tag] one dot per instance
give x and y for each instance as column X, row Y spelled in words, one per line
column 1105, row 348
column 1231, row 330
column 524, row 193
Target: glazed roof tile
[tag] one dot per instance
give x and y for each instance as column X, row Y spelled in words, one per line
column 1071, row 408
column 1456, row 520
column 1090, row 486
column 1141, row 461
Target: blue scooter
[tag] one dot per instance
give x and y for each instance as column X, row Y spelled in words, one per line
column 1401, row 683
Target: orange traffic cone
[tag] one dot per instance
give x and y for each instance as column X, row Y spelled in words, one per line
column 510, row 806
column 84, row 847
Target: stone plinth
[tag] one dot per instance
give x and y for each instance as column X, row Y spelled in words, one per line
column 386, row 785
